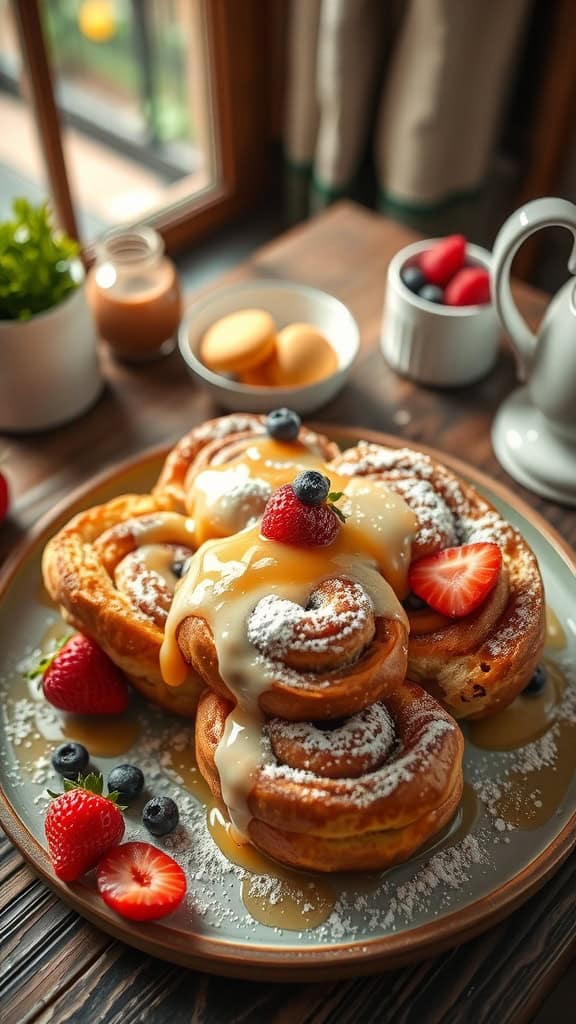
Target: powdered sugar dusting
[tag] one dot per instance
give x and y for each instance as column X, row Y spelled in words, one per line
column 369, row 735
column 226, row 425
column 276, row 626
column 402, row 767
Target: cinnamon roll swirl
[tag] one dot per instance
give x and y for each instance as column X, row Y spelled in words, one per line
column 362, row 793
column 113, row 570
column 223, row 441
column 329, row 658
column 475, row 665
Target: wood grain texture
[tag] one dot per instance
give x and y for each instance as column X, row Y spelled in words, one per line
column 57, row 967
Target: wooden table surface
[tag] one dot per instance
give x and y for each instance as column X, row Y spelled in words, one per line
column 57, row 967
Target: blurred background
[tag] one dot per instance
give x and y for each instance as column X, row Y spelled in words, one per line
column 232, row 119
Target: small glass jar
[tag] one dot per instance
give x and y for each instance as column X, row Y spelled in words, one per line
column 134, row 294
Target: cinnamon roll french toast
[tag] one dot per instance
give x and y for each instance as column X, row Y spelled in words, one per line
column 474, row 662
column 113, row 570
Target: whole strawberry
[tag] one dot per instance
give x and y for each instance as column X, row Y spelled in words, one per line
column 303, row 513
column 78, row 677
column 81, row 826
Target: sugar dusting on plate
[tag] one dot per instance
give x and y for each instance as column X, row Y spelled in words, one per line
column 366, row 905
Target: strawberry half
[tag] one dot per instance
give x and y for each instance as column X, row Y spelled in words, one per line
column 457, row 580
column 441, row 262
column 78, row 677
column 140, row 882
column 81, row 825
column 469, row 287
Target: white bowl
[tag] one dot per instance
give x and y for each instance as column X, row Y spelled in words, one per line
column 287, row 303
column 442, row 346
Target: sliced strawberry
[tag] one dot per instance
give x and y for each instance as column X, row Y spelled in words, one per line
column 440, row 263
column 457, row 580
column 469, row 287
column 80, row 826
column 140, row 882
column 80, row 678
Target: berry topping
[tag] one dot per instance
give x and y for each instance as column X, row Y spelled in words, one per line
column 432, row 293
column 126, row 780
column 4, row 497
column 412, row 277
column 283, row 424
column 160, row 815
column 289, row 520
column 311, row 487
column 457, row 580
column 180, row 567
column 443, row 260
column 78, row 677
column 140, row 882
column 537, row 683
column 81, row 825
column 70, row 760
column 412, row 603
column 469, row 287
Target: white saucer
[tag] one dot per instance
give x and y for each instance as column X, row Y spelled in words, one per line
column 528, row 450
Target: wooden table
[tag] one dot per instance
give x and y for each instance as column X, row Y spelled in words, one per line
column 55, row 965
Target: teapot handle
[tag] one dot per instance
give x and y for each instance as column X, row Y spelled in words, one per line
column 540, row 213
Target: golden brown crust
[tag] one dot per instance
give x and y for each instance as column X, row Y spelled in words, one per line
column 477, row 664
column 78, row 566
column 216, row 442
column 375, row 816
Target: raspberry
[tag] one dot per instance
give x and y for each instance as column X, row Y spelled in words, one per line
column 288, row 520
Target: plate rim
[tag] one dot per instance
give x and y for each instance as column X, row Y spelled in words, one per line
column 296, row 963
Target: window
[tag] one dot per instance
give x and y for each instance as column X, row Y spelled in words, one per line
column 163, row 109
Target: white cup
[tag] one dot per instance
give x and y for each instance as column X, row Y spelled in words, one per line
column 444, row 346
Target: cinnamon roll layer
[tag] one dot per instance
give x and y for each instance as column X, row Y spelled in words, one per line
column 477, row 664
column 219, row 442
column 364, row 793
column 326, row 660
column 113, row 570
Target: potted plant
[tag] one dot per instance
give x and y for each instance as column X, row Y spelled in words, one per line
column 49, row 370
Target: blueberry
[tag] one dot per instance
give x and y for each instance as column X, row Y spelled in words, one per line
column 432, row 293
column 180, row 567
column 311, row 488
column 413, row 277
column 537, row 683
column 283, row 424
column 160, row 815
column 70, row 760
column 127, row 780
column 413, row 603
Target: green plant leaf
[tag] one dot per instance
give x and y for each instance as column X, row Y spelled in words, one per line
column 35, row 262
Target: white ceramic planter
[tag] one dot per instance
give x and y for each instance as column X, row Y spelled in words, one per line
column 49, row 371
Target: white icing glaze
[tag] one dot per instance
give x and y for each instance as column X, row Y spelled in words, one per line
column 226, row 500
column 163, row 528
column 231, row 495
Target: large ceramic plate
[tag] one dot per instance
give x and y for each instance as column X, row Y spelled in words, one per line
column 517, row 823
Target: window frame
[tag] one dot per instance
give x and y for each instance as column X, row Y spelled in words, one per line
column 241, row 101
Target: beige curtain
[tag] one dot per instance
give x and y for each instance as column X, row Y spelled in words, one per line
column 425, row 81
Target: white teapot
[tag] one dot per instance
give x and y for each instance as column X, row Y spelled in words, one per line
column 534, row 432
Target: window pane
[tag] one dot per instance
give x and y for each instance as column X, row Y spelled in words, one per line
column 130, row 79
